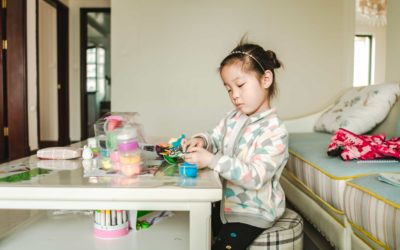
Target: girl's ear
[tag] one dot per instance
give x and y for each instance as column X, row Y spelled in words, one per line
column 267, row 79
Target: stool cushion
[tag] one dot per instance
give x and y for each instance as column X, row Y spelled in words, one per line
column 286, row 233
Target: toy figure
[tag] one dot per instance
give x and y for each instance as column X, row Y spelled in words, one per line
column 87, row 153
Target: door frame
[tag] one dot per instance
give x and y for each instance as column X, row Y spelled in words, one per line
column 3, row 114
column 62, row 74
column 84, row 94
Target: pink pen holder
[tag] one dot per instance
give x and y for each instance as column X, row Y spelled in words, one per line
column 111, row 232
column 110, row 224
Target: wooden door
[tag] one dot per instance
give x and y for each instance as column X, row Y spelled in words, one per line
column 63, row 72
column 16, row 79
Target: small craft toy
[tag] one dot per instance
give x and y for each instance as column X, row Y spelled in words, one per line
column 172, row 153
column 87, row 153
column 175, row 143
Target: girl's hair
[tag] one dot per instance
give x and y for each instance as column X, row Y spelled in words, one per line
column 255, row 59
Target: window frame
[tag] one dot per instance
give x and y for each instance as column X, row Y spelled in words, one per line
column 370, row 38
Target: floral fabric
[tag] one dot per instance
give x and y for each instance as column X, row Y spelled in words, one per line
column 351, row 146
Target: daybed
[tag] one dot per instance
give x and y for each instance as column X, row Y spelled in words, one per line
column 343, row 199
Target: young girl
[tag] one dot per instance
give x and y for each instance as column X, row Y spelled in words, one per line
column 248, row 149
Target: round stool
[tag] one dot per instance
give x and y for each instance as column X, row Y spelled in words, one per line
column 286, row 233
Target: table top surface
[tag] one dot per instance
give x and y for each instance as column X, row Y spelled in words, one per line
column 33, row 178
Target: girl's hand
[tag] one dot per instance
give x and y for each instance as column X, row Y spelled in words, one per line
column 199, row 156
column 192, row 142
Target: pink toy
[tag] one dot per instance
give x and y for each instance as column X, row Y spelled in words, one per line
column 113, row 122
column 114, row 156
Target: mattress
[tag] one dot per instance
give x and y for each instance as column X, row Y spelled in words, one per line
column 373, row 210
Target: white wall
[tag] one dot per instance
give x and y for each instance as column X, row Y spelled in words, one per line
column 165, row 56
column 393, row 42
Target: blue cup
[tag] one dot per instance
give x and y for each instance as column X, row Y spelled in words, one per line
column 188, row 170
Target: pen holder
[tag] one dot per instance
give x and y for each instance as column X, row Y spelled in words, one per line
column 188, row 170
column 110, row 224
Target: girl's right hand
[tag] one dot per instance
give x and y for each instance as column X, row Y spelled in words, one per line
column 191, row 143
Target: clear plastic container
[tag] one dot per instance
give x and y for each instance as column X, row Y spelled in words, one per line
column 113, row 127
column 101, row 139
column 130, row 160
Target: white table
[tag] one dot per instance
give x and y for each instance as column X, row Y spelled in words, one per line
column 68, row 189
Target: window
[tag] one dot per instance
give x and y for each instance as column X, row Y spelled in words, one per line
column 95, row 75
column 362, row 60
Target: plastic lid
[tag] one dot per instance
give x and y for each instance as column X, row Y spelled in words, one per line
column 187, row 164
column 130, row 146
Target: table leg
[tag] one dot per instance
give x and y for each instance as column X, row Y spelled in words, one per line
column 200, row 226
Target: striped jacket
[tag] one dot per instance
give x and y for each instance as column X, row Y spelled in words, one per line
column 250, row 153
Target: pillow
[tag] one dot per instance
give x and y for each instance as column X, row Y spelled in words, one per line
column 59, row 153
column 360, row 109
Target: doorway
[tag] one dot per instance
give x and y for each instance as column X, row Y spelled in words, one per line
column 53, row 89
column 95, row 67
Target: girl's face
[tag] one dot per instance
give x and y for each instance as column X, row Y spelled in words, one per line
column 247, row 92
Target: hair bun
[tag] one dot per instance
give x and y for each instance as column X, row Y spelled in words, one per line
column 273, row 59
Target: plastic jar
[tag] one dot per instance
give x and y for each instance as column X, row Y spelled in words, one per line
column 129, row 152
column 188, row 170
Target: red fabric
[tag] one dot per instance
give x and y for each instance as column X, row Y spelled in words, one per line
column 351, row 146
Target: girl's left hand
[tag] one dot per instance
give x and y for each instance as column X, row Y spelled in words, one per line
column 199, row 156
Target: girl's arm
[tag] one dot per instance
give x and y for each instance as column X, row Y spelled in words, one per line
column 269, row 156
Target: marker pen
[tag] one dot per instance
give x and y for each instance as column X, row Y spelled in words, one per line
column 113, row 218
column 108, row 219
column 119, row 217
column 97, row 216
column 103, row 218
column 124, row 216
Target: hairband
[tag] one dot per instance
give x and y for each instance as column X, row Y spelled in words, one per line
column 248, row 54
